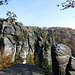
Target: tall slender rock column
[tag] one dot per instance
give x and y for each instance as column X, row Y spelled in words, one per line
column 60, row 58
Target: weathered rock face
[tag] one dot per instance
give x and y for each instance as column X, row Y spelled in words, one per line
column 17, row 30
column 13, row 40
column 21, row 69
column 9, row 30
column 9, row 48
column 24, row 51
column 43, row 49
column 71, row 67
column 63, row 63
column 7, row 41
column 60, row 58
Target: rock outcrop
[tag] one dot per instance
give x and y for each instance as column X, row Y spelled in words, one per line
column 22, row 69
column 63, row 63
column 43, row 48
column 14, row 37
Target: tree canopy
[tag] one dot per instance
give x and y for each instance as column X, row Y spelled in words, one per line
column 11, row 15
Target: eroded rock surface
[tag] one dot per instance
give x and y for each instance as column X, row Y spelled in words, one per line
column 63, row 63
column 14, row 41
column 60, row 58
column 22, row 69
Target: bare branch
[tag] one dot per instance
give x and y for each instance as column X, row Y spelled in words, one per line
column 2, row 2
column 67, row 4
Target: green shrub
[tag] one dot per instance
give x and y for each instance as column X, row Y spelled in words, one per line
column 11, row 15
column 36, row 60
column 17, row 58
column 46, row 67
column 30, row 59
column 21, row 37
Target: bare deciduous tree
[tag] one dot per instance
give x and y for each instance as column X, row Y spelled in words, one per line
column 67, row 4
column 2, row 2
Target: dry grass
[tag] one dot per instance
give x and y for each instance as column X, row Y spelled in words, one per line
column 5, row 61
column 24, row 29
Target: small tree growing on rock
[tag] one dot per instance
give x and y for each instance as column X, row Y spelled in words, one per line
column 36, row 60
column 11, row 16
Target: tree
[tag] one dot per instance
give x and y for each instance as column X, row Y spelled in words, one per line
column 11, row 15
column 36, row 60
column 2, row 2
column 30, row 59
column 47, row 68
column 67, row 4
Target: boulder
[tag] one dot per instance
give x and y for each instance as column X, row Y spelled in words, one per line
column 9, row 30
column 30, row 31
column 17, row 30
column 22, row 69
column 72, row 66
column 20, row 25
column 5, row 23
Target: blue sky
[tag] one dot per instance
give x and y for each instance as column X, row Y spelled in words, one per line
column 42, row 13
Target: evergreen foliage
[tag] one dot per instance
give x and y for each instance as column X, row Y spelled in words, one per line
column 11, row 15
column 21, row 37
column 17, row 58
column 47, row 68
column 36, row 60
column 30, row 59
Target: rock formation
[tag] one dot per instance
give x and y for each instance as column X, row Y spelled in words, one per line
column 62, row 60
column 14, row 37
column 21, row 69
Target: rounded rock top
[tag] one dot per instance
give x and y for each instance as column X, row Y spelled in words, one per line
column 61, row 50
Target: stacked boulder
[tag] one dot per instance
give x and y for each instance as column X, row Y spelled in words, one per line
column 63, row 63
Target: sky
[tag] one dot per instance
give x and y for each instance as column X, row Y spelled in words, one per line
column 42, row 13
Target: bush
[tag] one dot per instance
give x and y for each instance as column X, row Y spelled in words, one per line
column 5, row 61
column 36, row 60
column 46, row 67
column 17, row 59
column 21, row 37
column 30, row 59
column 11, row 15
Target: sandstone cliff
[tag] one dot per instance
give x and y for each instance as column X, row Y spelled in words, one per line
column 16, row 38
column 63, row 63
